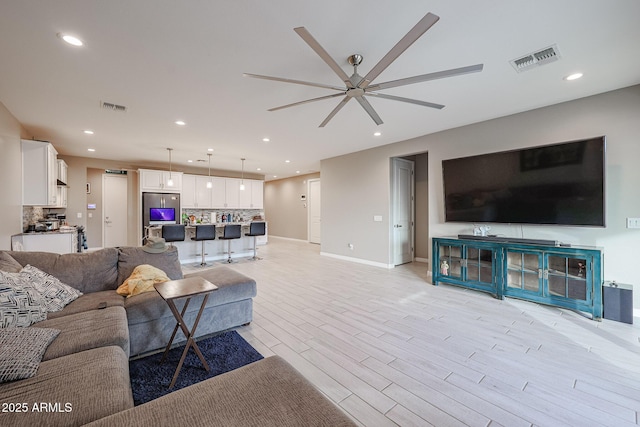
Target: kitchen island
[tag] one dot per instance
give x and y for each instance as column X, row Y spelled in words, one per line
column 190, row 251
column 60, row 242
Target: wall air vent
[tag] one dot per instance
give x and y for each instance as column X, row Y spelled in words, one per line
column 536, row 59
column 113, row 107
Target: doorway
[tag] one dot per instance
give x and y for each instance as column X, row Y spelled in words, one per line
column 115, row 210
column 313, row 206
column 402, row 210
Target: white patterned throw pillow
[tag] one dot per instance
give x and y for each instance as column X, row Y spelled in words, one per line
column 55, row 293
column 19, row 305
column 21, row 350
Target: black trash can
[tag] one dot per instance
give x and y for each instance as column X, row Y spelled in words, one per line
column 617, row 301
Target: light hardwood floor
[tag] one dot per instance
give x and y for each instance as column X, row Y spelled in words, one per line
column 391, row 349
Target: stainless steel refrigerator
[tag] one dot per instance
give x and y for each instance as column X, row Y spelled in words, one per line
column 159, row 209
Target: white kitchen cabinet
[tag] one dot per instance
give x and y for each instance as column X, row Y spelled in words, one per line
column 61, row 198
column 232, row 192
column 39, row 173
column 219, row 193
column 252, row 197
column 195, row 193
column 156, row 180
column 60, row 243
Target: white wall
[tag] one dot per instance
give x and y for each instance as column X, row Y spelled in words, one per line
column 10, row 176
column 356, row 186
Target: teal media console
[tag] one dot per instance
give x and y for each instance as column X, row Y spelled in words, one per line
column 562, row 276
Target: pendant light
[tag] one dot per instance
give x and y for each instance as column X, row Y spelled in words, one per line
column 209, row 183
column 170, row 181
column 242, row 179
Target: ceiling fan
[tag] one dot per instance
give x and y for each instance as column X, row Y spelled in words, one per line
column 357, row 86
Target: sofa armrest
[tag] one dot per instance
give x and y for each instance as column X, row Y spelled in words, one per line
column 269, row 392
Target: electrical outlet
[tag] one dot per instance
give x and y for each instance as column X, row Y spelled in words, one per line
column 633, row 222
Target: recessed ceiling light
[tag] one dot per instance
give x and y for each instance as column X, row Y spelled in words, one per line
column 74, row 41
column 377, row 133
column 287, row 161
column 259, row 169
column 275, row 176
column 180, row 123
column 91, row 149
column 189, row 161
column 573, row 76
column 88, row 132
column 209, row 149
column 265, row 140
column 297, row 171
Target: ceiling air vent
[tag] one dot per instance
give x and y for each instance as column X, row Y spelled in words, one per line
column 535, row 59
column 112, row 107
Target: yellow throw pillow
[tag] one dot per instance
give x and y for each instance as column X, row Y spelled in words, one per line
column 142, row 280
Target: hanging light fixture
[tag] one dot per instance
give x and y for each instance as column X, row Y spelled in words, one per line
column 170, row 181
column 209, row 183
column 242, row 179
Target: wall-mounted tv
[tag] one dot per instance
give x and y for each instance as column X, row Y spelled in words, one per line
column 159, row 215
column 559, row 184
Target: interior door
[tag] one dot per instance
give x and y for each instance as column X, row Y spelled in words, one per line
column 313, row 204
column 114, row 202
column 402, row 211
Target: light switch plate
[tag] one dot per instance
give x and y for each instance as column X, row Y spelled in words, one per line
column 377, row 218
column 633, row 222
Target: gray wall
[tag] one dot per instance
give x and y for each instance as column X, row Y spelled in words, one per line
column 10, row 176
column 283, row 209
column 358, row 183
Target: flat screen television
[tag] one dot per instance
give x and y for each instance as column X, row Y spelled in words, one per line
column 559, row 184
column 162, row 215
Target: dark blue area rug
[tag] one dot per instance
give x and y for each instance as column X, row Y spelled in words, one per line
column 225, row 352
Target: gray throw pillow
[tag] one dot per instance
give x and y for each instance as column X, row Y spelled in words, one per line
column 9, row 264
column 55, row 293
column 21, row 350
column 19, row 305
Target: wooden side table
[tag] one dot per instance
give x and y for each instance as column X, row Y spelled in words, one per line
column 185, row 288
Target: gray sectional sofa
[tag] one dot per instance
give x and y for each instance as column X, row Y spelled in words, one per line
column 84, row 373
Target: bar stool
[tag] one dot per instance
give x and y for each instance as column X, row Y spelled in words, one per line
column 173, row 233
column 231, row 231
column 204, row 233
column 256, row 229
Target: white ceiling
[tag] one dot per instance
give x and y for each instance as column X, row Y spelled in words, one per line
column 167, row 60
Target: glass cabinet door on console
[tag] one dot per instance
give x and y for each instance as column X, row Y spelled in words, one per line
column 524, row 273
column 469, row 265
column 567, row 277
column 450, row 261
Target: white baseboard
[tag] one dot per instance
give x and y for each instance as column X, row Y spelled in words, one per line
column 358, row 260
column 288, row 238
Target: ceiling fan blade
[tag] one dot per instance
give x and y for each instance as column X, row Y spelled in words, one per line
column 369, row 109
column 306, row 101
column 313, row 43
column 298, row 82
column 426, row 77
column 414, row 34
column 335, row 111
column 409, row 100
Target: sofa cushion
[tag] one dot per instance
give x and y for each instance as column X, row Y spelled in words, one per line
column 20, row 305
column 232, row 286
column 21, row 351
column 90, row 301
column 88, row 272
column 269, row 392
column 87, row 330
column 75, row 389
column 130, row 257
column 142, row 280
column 8, row 263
